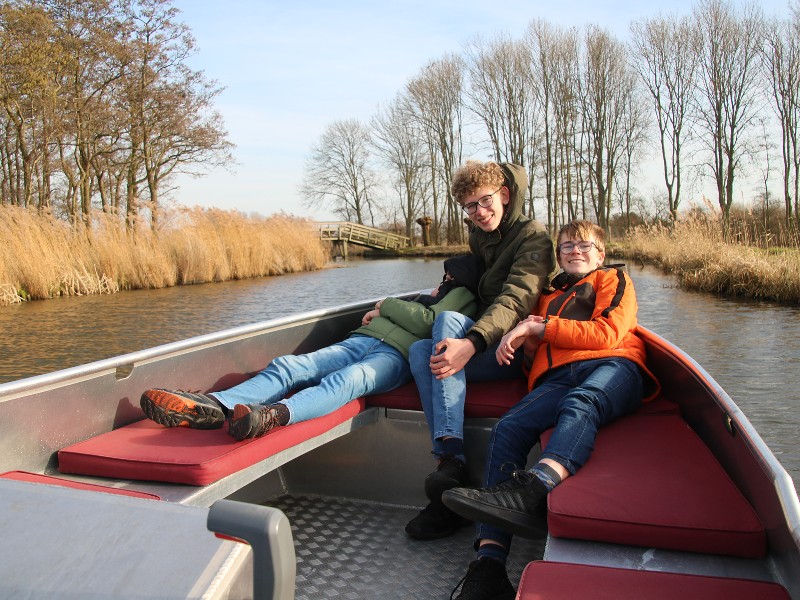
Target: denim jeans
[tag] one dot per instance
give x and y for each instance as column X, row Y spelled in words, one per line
column 443, row 399
column 577, row 399
column 330, row 378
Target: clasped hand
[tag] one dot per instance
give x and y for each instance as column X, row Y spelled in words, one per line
column 528, row 331
column 450, row 355
column 375, row 312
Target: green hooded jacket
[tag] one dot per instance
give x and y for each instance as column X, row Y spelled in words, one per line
column 519, row 257
column 403, row 322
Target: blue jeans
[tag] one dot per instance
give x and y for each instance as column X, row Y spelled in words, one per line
column 577, row 399
column 443, row 399
column 330, row 378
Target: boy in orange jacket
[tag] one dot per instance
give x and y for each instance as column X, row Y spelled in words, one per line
column 586, row 368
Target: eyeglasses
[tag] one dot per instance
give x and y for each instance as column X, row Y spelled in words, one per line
column 485, row 201
column 583, row 247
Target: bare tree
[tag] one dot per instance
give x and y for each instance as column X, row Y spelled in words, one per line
column 338, row 173
column 634, row 134
column 170, row 120
column 782, row 65
column 728, row 88
column 555, row 84
column 28, row 97
column 605, row 100
column 399, row 142
column 501, row 94
column 665, row 55
column 436, row 102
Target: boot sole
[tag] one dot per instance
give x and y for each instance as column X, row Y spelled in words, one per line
column 513, row 521
column 177, row 413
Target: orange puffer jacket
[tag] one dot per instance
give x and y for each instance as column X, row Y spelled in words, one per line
column 589, row 317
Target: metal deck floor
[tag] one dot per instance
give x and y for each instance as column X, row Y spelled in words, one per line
column 359, row 551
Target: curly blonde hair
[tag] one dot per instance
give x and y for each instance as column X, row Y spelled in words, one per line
column 584, row 230
column 473, row 175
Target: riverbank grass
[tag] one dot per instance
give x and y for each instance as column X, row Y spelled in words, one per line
column 695, row 251
column 43, row 257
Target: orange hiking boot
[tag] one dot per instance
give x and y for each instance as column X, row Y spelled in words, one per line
column 252, row 421
column 182, row 409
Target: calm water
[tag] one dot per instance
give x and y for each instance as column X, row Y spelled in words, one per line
column 750, row 348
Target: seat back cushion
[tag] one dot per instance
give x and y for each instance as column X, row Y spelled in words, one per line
column 651, row 481
column 77, row 485
column 543, row 580
column 484, row 398
column 148, row 451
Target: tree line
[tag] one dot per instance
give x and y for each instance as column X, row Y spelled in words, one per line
column 99, row 107
column 713, row 94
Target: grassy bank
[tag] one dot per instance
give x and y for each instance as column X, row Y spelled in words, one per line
column 697, row 254
column 42, row 257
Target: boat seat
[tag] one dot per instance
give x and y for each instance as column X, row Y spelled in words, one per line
column 652, row 482
column 145, row 450
column 543, row 580
column 484, row 398
column 77, row 485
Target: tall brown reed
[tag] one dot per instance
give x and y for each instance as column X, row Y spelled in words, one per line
column 696, row 251
column 42, row 257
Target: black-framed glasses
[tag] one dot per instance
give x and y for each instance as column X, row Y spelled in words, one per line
column 583, row 247
column 484, row 201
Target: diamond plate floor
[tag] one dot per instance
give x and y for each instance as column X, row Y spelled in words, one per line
column 359, row 551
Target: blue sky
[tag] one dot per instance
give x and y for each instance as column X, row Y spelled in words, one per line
column 290, row 68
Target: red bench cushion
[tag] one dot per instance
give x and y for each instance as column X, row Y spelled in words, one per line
column 78, row 485
column 555, row 581
column 652, row 482
column 147, row 451
column 484, row 398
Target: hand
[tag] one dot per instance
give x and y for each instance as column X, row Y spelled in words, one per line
column 450, row 356
column 370, row 315
column 528, row 331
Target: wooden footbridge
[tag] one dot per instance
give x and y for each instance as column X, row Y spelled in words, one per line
column 342, row 233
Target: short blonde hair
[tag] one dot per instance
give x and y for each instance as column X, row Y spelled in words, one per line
column 584, row 230
column 473, row 175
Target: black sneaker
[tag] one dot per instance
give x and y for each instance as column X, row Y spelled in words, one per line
column 486, row 579
column 450, row 473
column 252, row 421
column 182, row 409
column 518, row 505
column 435, row 521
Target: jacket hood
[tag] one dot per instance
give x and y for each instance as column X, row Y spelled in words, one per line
column 517, row 184
column 466, row 270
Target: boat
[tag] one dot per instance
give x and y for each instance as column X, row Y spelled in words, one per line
column 682, row 498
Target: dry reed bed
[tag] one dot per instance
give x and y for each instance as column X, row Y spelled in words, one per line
column 42, row 257
column 695, row 251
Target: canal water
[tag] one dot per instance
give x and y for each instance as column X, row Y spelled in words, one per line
column 751, row 348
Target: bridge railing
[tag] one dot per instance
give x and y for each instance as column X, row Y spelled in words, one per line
column 361, row 234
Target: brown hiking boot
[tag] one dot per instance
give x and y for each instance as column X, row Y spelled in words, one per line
column 252, row 421
column 182, row 409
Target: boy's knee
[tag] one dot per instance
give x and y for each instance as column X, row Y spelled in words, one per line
column 420, row 348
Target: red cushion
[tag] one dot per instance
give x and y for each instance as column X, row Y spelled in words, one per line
column 78, row 485
column 554, row 581
column 148, row 451
column 652, row 482
column 484, row 398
